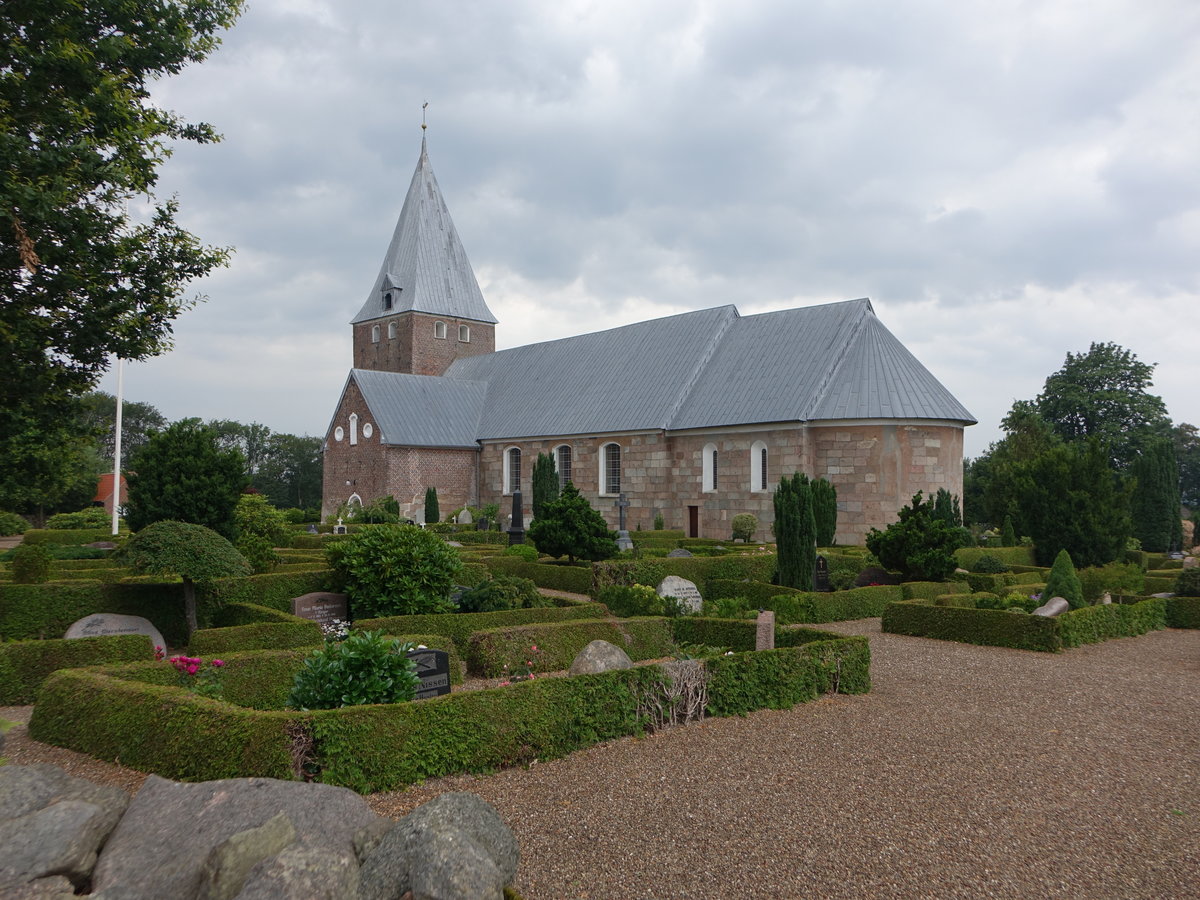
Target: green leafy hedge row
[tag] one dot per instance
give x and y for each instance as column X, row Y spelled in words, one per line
column 274, row 589
column 650, row 537
column 1160, row 584
column 1013, row 556
column 24, row 665
column 257, row 636
column 796, row 607
column 1002, row 628
column 1183, row 612
column 67, row 536
column 460, row 626
column 170, row 731
column 41, row 611
column 574, row 579
column 239, row 613
column 697, row 569
column 496, row 652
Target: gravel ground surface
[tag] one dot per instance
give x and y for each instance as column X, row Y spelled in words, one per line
column 966, row 772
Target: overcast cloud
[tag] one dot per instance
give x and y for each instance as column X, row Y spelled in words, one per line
column 1007, row 181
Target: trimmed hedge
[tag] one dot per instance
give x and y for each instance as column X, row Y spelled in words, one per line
column 67, row 536
column 274, row 589
column 796, row 607
column 257, row 636
column 238, row 613
column 24, row 665
column 697, row 569
column 556, row 577
column 460, row 626
column 1013, row 556
column 923, row 590
column 496, row 652
column 1003, row 628
column 1183, row 612
column 170, row 731
column 1160, row 584
column 652, row 537
column 40, row 611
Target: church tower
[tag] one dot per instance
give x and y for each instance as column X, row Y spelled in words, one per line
column 425, row 309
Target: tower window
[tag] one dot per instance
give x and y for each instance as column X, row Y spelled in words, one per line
column 464, row 334
column 387, row 300
column 391, row 331
column 439, row 330
column 374, row 334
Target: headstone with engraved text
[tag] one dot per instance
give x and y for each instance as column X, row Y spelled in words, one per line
column 821, row 575
column 433, row 668
column 764, row 635
column 682, row 590
column 103, row 624
column 321, row 607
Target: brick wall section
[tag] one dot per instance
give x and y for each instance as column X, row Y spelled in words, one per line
column 875, row 467
column 414, row 350
column 363, row 465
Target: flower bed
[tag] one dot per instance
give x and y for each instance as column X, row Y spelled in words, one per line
column 1005, row 628
column 135, row 713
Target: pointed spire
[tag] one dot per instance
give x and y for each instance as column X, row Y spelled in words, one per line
column 425, row 268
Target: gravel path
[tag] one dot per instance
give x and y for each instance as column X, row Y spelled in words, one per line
column 966, row 772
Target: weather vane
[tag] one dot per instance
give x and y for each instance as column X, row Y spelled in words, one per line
column 423, row 106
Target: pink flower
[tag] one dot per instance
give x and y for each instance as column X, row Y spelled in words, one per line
column 217, row 663
column 192, row 670
column 534, row 648
column 505, row 683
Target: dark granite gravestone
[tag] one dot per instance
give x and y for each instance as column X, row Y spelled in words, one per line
column 321, row 607
column 312, row 529
column 516, row 531
column 821, row 575
column 433, row 668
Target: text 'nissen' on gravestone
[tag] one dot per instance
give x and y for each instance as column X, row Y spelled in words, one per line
column 433, row 668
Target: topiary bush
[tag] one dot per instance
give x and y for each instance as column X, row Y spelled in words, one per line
column 1188, row 583
column 11, row 523
column 744, row 525
column 260, row 529
column 1063, row 582
column 92, row 517
column 524, row 551
column 30, row 564
column 636, row 600
column 503, row 592
column 920, row 545
column 394, row 570
column 989, row 565
column 364, row 668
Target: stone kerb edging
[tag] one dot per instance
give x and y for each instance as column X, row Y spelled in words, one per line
column 243, row 837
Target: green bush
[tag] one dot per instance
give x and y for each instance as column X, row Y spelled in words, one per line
column 364, row 668
column 524, row 551
column 920, row 545
column 74, row 537
column 460, row 626
column 552, row 646
column 1011, row 556
column 30, row 564
column 1009, row 601
column 260, row 529
column 743, row 526
column 1183, row 612
column 11, row 523
column 256, row 636
column 1093, row 624
column 988, row 564
column 274, row 589
column 550, row 575
column 395, row 570
column 1119, row 579
column 989, row 627
column 1063, row 582
column 792, row 607
column 637, row 600
column 570, row 527
column 92, row 517
column 990, row 583
column 502, row 592
column 1188, row 583
column 24, row 665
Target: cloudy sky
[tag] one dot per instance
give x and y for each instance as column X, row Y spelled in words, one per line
column 1006, row 181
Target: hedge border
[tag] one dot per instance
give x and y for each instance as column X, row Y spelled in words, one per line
column 553, row 576
column 1183, row 612
column 24, row 665
column 793, row 607
column 460, row 626
column 496, row 652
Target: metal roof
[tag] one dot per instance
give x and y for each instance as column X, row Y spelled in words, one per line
column 707, row 369
column 422, row 410
column 425, row 267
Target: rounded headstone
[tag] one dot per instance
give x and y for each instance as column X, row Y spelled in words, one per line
column 678, row 553
column 1055, row 606
column 682, row 590
column 104, row 624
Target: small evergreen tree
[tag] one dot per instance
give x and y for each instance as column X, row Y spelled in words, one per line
column 260, row 529
column 1063, row 582
column 943, row 506
column 920, row 545
column 795, row 532
column 545, row 483
column 824, row 500
column 1154, row 506
column 182, row 475
column 432, row 513
column 1008, row 536
column 570, row 527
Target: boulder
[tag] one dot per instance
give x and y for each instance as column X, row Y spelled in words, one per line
column 225, row 870
column 304, row 873
column 678, row 553
column 52, row 824
column 1055, row 606
column 456, row 845
column 600, row 656
column 56, row 887
column 163, row 845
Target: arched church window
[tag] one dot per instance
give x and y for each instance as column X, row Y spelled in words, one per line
column 464, row 334
column 610, row 469
column 387, row 300
column 512, row 470
column 562, row 462
column 708, row 460
column 439, row 330
column 758, row 467
column 353, row 428
column 374, row 334
column 391, row 331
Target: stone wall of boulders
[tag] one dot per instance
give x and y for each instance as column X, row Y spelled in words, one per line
column 240, row 839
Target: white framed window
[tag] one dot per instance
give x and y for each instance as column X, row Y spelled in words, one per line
column 374, row 334
column 512, row 470
column 562, row 462
column 368, row 429
column 610, row 469
column 338, row 433
column 353, row 428
column 758, row 467
column 439, row 330
column 708, row 461
column 464, row 334
column 355, row 503
column 391, row 331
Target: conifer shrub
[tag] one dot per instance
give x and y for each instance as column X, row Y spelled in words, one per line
column 824, row 501
column 990, row 565
column 1008, row 535
column 432, row 512
column 1063, row 582
column 795, row 532
column 920, row 545
column 570, row 527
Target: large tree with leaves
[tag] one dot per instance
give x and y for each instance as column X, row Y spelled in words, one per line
column 79, row 138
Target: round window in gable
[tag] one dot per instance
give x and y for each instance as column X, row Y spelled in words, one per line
column 338, row 434
column 368, row 430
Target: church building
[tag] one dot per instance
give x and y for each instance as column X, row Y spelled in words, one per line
column 694, row 417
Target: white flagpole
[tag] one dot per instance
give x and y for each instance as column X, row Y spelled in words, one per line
column 116, row 496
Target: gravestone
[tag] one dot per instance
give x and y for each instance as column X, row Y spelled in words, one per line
column 1055, row 606
column 102, row 624
column 516, row 527
column 321, row 607
column 433, row 668
column 339, row 528
column 624, row 542
column 764, row 634
column 821, row 575
column 312, row 529
column 682, row 590
column 679, row 553
column 464, row 517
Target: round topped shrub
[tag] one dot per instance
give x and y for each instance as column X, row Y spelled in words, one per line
column 364, row 668
column 395, row 570
column 989, row 565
